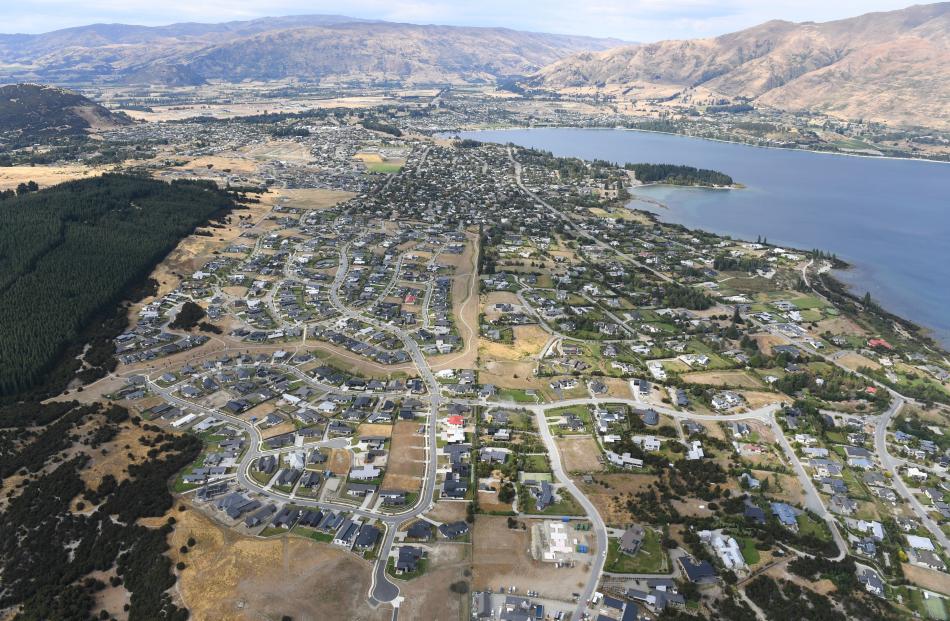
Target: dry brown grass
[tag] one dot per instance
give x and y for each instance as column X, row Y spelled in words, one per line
column 44, row 176
column 854, row 361
column 927, row 578
column 767, row 341
column 235, row 163
column 116, row 459
column 579, row 454
column 447, row 511
column 528, row 342
column 339, row 462
column 502, row 557
column 510, row 375
column 406, row 465
column 428, row 597
column 374, row 429
column 611, row 500
column 840, row 325
column 231, row 577
column 756, row 399
column 315, row 198
column 723, row 378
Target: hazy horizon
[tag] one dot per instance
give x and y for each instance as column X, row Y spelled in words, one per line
column 632, row 20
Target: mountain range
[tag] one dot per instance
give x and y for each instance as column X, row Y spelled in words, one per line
column 890, row 66
column 306, row 48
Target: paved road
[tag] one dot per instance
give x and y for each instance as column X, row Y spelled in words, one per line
column 383, row 589
column 890, row 465
column 599, row 528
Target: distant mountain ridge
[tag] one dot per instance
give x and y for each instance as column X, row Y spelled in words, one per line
column 308, row 48
column 891, row 66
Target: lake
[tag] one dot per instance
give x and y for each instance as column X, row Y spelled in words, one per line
column 888, row 218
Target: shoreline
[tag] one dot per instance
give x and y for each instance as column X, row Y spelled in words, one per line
column 720, row 140
column 648, row 205
column 926, row 333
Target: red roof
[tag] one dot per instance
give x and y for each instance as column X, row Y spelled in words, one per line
column 879, row 343
column 456, row 420
column 871, row 390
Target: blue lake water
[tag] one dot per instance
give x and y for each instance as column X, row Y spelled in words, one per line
column 888, row 218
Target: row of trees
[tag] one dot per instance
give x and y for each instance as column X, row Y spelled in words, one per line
column 23, row 188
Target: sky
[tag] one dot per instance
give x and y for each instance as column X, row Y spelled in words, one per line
column 630, row 20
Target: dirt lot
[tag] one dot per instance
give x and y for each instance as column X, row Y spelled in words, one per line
column 740, row 379
column 618, row 388
column 339, row 462
column 447, row 511
column 233, row 577
column 840, row 325
column 374, row 429
column 927, row 578
column 579, row 454
column 855, row 361
column 767, row 341
column 528, row 342
column 502, row 557
column 428, row 597
column 758, row 399
column 510, row 375
column 488, row 501
column 406, row 465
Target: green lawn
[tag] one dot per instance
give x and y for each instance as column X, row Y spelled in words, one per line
column 313, row 534
column 651, row 559
column 261, row 477
column 807, row 302
column 936, row 608
column 809, row 526
column 180, row 487
column 536, row 463
column 749, row 551
column 383, row 167
column 515, row 394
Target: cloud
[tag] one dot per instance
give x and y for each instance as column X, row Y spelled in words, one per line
column 641, row 20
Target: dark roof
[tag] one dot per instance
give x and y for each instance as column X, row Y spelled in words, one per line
column 420, row 530
column 368, row 537
column 697, row 572
column 453, row 530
